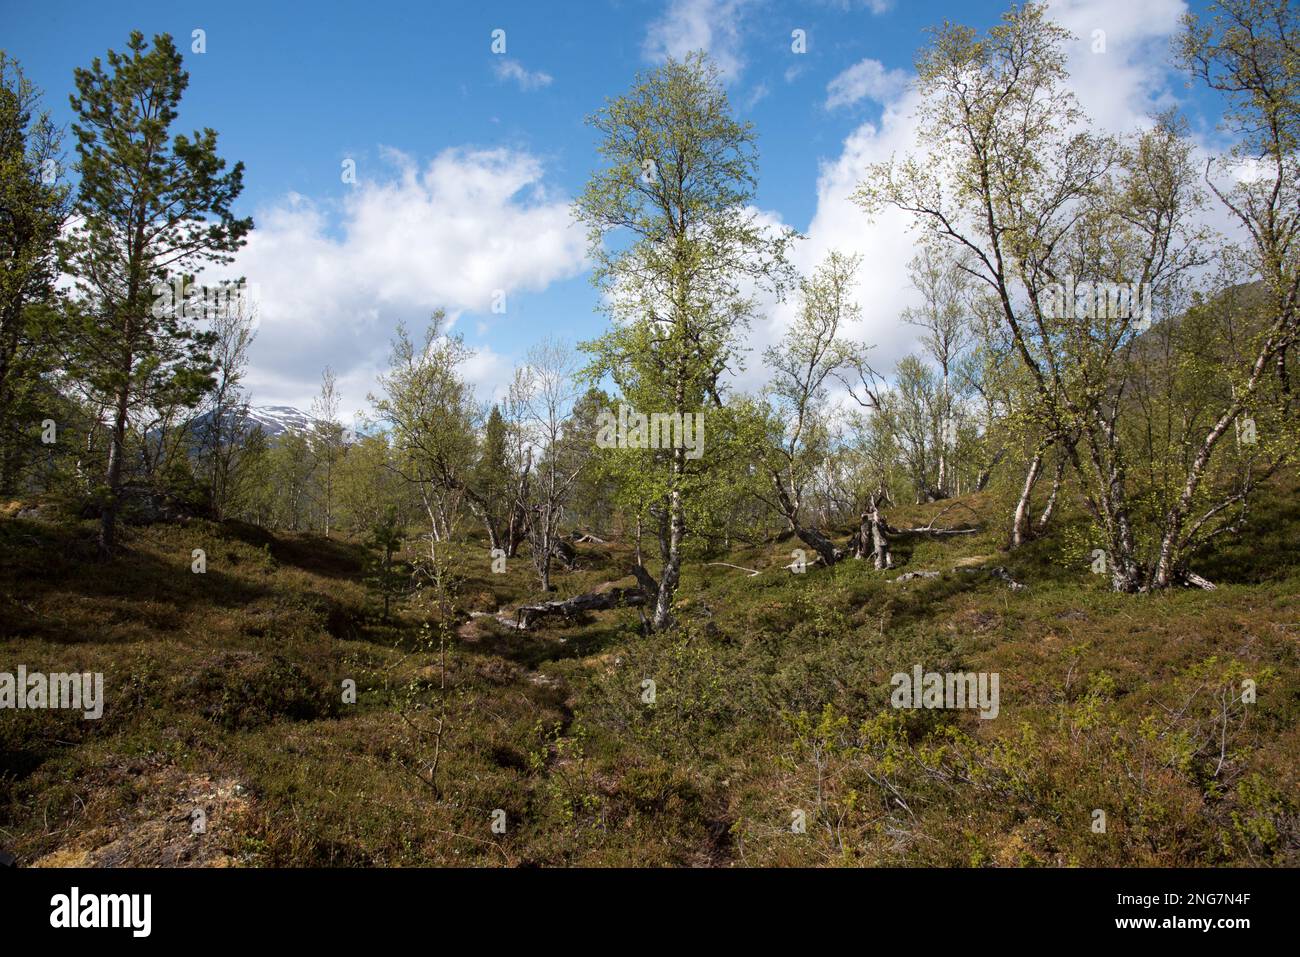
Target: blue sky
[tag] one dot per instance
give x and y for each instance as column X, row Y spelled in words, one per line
column 465, row 159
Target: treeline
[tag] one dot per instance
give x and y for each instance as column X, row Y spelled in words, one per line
column 1082, row 335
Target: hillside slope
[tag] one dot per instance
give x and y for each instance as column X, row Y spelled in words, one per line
column 771, row 707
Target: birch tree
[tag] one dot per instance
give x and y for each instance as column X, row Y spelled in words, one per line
column 544, row 392
column 674, row 194
column 810, row 355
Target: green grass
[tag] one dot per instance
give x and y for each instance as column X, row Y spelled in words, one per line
column 771, row 697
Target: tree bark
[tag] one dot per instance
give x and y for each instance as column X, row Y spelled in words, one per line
column 1046, row 517
column 517, row 528
column 982, row 480
column 1020, row 523
column 113, row 475
column 671, row 574
column 872, row 539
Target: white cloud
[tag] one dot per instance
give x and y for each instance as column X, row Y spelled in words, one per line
column 491, row 373
column 877, row 7
column 885, row 245
column 866, row 79
column 452, row 234
column 709, row 25
column 1119, row 89
column 474, row 221
column 514, row 71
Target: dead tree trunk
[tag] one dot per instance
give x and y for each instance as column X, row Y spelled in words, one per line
column 872, row 540
column 790, row 507
column 527, row 615
column 517, row 527
column 819, row 543
column 565, row 553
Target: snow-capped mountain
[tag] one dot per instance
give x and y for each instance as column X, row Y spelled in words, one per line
column 276, row 420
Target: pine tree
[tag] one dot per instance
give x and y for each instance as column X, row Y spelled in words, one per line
column 491, row 480
column 386, row 537
column 33, row 206
column 153, row 205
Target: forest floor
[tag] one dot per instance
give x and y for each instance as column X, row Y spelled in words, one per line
column 770, row 739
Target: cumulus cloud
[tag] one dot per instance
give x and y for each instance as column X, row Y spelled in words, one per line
column 514, row 71
column 885, row 245
column 1120, row 58
column 1119, row 88
column 469, row 222
column 709, row 25
column 867, row 79
column 466, row 230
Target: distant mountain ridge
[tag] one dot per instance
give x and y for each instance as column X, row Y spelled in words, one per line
column 279, row 419
column 276, row 420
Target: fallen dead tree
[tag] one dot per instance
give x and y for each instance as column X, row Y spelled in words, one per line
column 912, row 576
column 931, row 531
column 526, row 615
column 871, row 540
column 999, row 572
column 929, row 528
